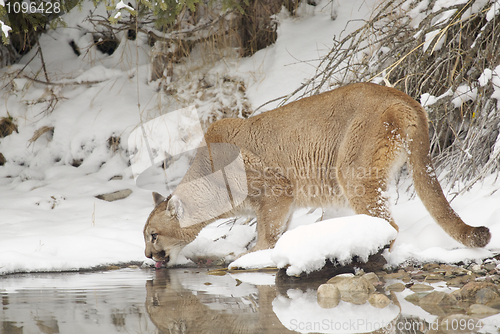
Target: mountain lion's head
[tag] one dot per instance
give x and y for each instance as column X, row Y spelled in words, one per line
column 163, row 234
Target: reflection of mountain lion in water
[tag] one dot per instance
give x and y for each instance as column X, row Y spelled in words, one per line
column 176, row 310
column 336, row 147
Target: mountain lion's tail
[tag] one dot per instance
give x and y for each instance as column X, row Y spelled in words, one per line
column 429, row 190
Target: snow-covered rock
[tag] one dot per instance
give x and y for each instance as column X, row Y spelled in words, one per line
column 307, row 248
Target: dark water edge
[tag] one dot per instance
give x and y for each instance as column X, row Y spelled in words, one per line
column 103, row 267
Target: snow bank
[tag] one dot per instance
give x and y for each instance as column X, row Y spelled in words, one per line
column 255, row 260
column 57, row 224
column 307, row 248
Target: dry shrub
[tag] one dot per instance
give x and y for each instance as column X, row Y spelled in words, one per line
column 208, row 29
column 7, row 126
column 214, row 96
column 114, row 144
column 391, row 48
column 106, row 42
column 257, row 28
column 163, row 55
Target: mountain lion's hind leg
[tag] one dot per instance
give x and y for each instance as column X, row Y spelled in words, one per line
column 363, row 171
column 368, row 196
column 366, row 192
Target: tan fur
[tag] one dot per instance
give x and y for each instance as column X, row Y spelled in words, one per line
column 339, row 147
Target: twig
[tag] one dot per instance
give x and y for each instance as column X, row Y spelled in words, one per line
column 21, row 70
column 66, row 83
column 43, row 61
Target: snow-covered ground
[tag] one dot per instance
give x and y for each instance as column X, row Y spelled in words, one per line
column 51, row 219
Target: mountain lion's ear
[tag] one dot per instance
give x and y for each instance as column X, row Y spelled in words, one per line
column 175, row 207
column 157, row 198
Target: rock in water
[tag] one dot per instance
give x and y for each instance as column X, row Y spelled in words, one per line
column 328, row 296
column 353, row 289
column 379, row 300
column 438, row 298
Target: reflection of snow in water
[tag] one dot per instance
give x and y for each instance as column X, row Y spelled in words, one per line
column 99, row 302
column 302, row 313
column 211, row 284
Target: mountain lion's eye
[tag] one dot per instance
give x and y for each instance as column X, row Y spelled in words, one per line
column 154, row 236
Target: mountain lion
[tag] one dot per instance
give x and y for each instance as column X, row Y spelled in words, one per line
column 336, row 148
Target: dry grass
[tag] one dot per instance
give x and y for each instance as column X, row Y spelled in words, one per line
column 39, row 132
column 7, row 126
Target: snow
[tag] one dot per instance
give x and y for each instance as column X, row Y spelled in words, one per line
column 494, row 76
column 494, row 10
column 463, row 94
column 417, row 14
column 427, row 99
column 164, row 137
column 440, row 4
column 280, row 68
column 5, row 29
column 121, row 5
column 255, row 260
column 429, row 38
column 496, row 84
column 485, row 77
column 61, row 227
column 51, row 219
column 308, row 247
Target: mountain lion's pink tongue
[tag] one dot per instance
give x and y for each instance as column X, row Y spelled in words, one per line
column 158, row 264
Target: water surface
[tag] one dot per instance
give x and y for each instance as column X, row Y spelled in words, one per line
column 187, row 301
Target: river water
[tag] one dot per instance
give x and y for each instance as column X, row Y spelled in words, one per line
column 136, row 300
